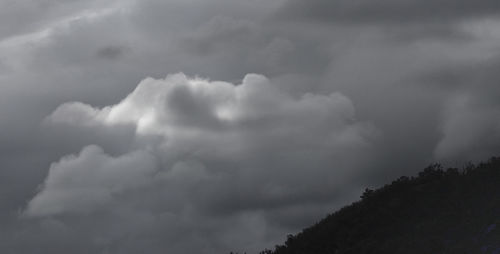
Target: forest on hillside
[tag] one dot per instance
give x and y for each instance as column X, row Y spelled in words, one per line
column 439, row 211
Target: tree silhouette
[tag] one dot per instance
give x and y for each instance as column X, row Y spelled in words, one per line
column 439, row 211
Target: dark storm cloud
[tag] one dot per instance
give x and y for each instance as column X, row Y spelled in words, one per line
column 365, row 93
column 471, row 123
column 111, row 52
column 390, row 11
column 480, row 77
column 403, row 21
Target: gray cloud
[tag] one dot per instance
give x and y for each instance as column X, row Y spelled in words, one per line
column 81, row 183
column 390, row 11
column 470, row 129
column 110, row 52
column 225, row 151
column 470, row 123
column 403, row 21
column 232, row 165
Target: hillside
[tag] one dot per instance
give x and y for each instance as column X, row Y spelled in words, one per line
column 439, row 211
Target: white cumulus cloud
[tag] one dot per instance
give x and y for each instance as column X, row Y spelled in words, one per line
column 204, row 148
column 80, row 183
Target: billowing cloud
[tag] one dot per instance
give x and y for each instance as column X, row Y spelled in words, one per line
column 181, row 108
column 189, row 165
column 79, row 184
column 221, row 149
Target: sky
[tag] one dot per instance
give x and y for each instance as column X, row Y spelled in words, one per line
column 210, row 126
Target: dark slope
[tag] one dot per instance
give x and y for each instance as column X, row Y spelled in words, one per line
column 440, row 211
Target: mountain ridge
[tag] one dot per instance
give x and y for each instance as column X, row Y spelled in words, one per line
column 452, row 211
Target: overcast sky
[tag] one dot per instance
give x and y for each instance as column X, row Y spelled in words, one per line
column 209, row 126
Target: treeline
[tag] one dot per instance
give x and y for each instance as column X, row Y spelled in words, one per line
column 439, row 211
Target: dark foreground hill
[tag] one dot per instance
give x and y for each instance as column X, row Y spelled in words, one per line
column 440, row 211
